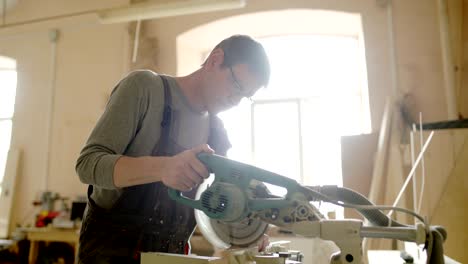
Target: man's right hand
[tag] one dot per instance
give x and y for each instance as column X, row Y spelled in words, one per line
column 185, row 171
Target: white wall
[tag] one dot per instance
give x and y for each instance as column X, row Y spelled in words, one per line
column 90, row 58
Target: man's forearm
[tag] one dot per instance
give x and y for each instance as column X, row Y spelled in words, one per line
column 129, row 171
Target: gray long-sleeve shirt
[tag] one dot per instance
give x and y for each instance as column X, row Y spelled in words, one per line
column 131, row 126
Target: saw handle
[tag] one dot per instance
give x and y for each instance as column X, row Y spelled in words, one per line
column 177, row 195
column 223, row 168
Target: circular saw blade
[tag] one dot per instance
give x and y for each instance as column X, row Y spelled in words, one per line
column 224, row 235
column 205, row 227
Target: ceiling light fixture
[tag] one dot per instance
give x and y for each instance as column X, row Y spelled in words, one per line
column 152, row 10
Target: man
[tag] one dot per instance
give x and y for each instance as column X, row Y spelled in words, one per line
column 147, row 140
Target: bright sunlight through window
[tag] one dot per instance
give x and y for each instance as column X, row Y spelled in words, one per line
column 7, row 104
column 317, row 93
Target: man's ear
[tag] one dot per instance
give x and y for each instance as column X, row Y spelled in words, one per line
column 216, row 58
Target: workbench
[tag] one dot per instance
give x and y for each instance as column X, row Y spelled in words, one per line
column 50, row 234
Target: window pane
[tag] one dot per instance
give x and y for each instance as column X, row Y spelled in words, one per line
column 307, row 66
column 7, row 63
column 327, row 74
column 237, row 123
column 7, row 93
column 351, row 115
column 5, row 137
column 321, row 144
column 276, row 138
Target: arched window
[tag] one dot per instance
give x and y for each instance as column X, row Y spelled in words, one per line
column 8, row 80
column 317, row 93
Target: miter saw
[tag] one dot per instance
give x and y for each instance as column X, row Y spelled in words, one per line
column 236, row 209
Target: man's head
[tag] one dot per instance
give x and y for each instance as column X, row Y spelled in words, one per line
column 237, row 67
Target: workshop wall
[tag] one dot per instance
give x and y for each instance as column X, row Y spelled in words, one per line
column 90, row 58
column 445, row 165
column 415, row 32
column 419, row 72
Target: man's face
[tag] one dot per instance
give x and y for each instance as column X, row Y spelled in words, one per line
column 226, row 86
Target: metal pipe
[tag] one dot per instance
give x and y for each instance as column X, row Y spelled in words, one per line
column 53, row 35
column 392, row 50
column 136, row 41
column 447, row 60
column 411, row 173
column 415, row 184
column 400, row 233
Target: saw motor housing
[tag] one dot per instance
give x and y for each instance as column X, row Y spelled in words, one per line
column 239, row 206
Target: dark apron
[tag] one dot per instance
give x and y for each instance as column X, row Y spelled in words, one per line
column 144, row 218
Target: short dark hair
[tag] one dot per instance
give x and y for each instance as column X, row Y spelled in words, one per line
column 244, row 49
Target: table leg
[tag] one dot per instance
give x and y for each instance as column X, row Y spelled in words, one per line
column 33, row 251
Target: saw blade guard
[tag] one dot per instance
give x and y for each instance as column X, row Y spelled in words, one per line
column 234, row 202
column 222, row 234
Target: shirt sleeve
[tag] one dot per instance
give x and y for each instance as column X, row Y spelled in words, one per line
column 114, row 131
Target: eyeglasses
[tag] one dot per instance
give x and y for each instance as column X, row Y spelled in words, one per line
column 239, row 90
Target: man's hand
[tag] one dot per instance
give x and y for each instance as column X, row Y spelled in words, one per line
column 185, row 171
column 263, row 243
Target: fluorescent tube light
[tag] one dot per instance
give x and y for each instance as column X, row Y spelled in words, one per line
column 152, row 10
